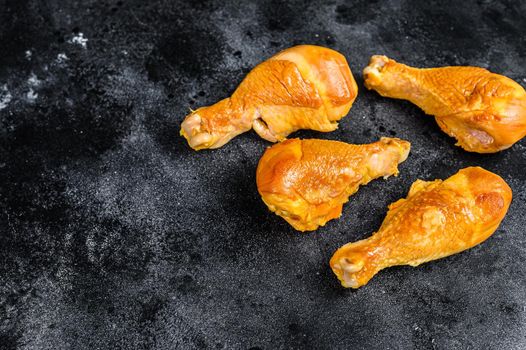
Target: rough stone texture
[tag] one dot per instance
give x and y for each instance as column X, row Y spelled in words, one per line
column 114, row 234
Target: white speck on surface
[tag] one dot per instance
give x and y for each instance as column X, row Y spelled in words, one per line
column 31, row 95
column 91, row 247
column 61, row 57
column 79, row 39
column 524, row 80
column 28, row 54
column 5, row 97
column 33, row 80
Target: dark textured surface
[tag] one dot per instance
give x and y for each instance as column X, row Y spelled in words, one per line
column 114, row 234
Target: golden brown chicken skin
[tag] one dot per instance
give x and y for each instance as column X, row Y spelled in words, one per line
column 307, row 181
column 437, row 219
column 303, row 87
column 484, row 111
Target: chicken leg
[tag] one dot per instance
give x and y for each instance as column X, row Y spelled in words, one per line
column 303, row 87
column 307, row 181
column 484, row 111
column 437, row 219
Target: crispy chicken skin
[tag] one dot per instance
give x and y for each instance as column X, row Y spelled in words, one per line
column 303, row 87
column 437, row 219
column 307, row 181
column 484, row 111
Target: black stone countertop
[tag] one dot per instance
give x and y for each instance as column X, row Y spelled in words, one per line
column 114, row 234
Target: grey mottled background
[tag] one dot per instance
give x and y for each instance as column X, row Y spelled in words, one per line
column 115, row 235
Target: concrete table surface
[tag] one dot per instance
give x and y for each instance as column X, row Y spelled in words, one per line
column 114, row 234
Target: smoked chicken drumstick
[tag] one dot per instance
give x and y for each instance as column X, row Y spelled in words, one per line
column 307, row 181
column 484, row 111
column 437, row 219
column 303, row 87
